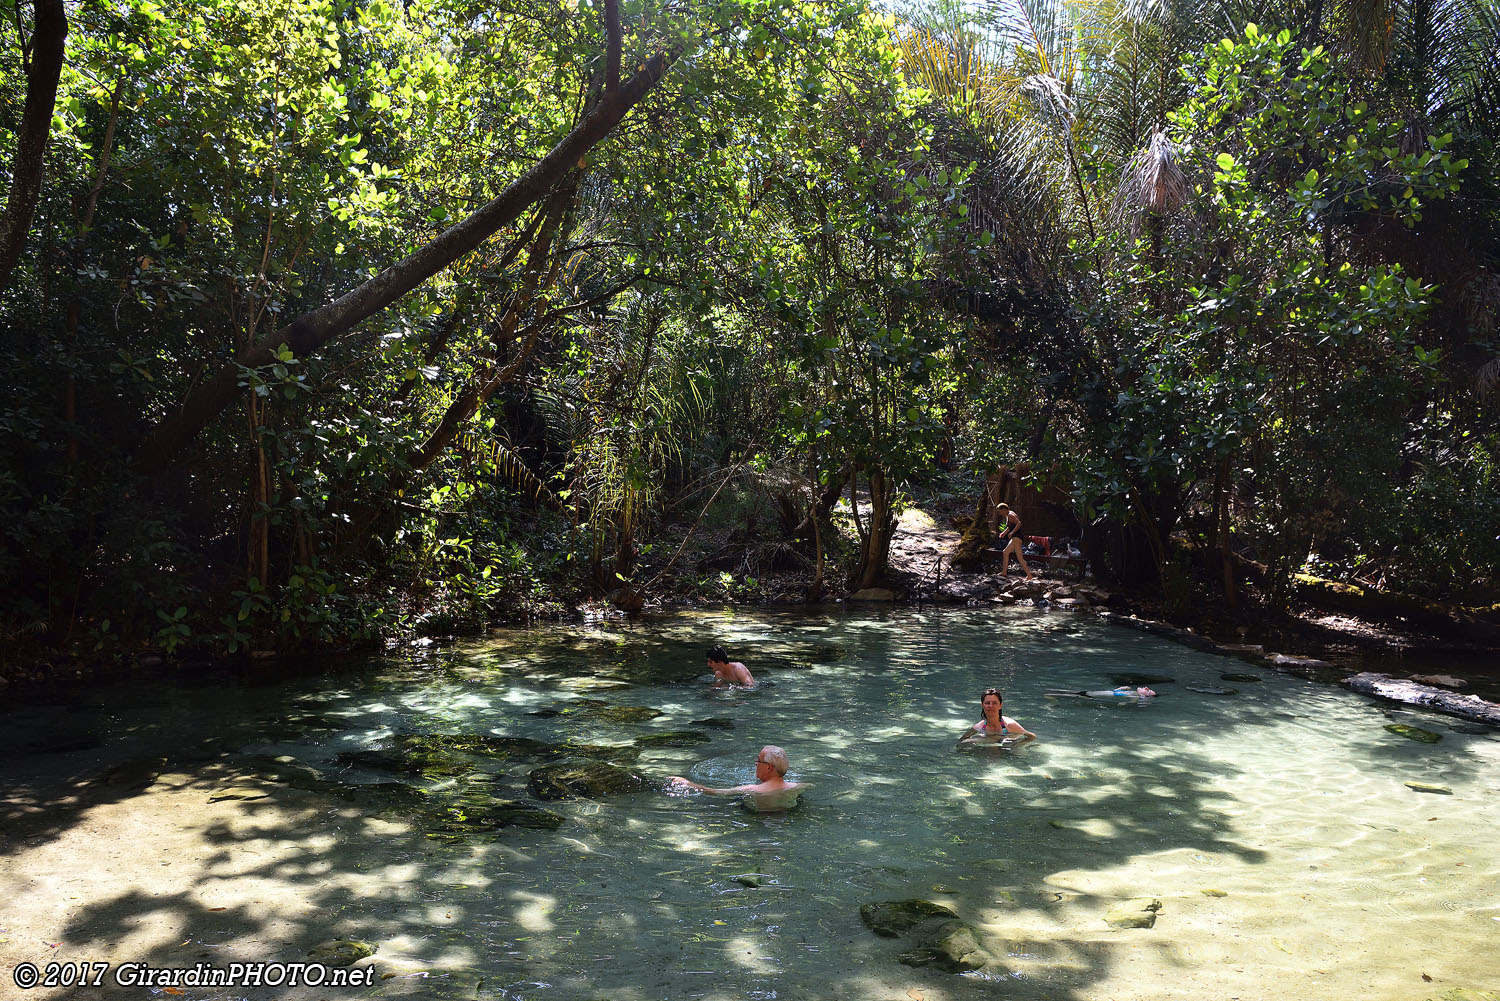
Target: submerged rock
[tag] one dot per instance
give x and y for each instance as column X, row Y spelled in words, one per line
column 136, row 774
column 673, row 738
column 1139, row 912
column 451, row 755
column 1478, row 729
column 1137, row 680
column 581, row 778
column 240, row 792
column 1211, row 690
column 947, row 944
column 1429, row 787
column 1414, row 733
column 455, row 823
column 598, row 709
column 391, row 798
column 1244, row 679
column 717, row 722
column 342, row 952
column 893, row 917
column 825, row 653
column 618, row 754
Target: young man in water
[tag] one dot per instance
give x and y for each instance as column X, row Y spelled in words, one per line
column 726, row 671
column 770, row 790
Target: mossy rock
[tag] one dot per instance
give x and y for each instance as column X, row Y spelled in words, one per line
column 439, row 764
column 673, row 738
column 948, row 944
column 893, row 917
column 1137, row 913
column 442, row 755
column 390, row 798
column 590, row 779
column 1414, row 733
column 342, row 952
column 1243, row 679
column 599, row 710
column 716, row 722
column 457, row 823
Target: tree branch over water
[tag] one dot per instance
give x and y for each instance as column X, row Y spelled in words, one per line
column 312, row 331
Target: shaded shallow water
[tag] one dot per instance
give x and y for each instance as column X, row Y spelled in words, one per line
column 1272, row 823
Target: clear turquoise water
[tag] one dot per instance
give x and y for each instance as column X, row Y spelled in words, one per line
column 1329, row 876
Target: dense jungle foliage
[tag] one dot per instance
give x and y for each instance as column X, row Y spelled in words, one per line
column 328, row 319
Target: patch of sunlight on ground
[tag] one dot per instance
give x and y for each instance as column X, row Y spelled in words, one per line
column 915, row 519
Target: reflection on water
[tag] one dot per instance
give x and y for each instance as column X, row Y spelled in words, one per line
column 1269, row 817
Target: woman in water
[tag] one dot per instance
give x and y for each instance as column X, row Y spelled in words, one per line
column 995, row 726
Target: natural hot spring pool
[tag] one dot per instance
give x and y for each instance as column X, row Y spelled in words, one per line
column 1272, row 824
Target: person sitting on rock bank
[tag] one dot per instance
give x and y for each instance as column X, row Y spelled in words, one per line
column 995, row 726
column 726, row 671
column 770, row 791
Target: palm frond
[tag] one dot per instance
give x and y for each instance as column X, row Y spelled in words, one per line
column 1152, row 183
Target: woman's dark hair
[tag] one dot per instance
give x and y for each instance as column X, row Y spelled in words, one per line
column 991, row 691
column 717, row 654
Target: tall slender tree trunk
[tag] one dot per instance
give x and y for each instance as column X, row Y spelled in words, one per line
column 875, row 553
column 43, row 60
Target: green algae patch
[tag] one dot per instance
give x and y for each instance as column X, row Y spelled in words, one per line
column 1414, row 733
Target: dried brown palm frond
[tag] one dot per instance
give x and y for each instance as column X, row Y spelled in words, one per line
column 1487, row 381
column 1151, row 183
column 1479, row 298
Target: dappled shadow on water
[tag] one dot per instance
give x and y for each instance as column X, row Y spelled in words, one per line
column 642, row 896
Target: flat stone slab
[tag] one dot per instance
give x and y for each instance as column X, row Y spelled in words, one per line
column 1414, row 694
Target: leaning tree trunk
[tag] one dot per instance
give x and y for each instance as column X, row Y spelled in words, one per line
column 312, row 331
column 43, row 71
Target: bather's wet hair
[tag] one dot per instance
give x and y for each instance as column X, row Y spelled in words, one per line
column 776, row 758
column 717, row 655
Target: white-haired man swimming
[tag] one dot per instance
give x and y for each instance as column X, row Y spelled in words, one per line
column 771, row 791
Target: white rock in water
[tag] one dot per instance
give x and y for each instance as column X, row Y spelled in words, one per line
column 1287, row 660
